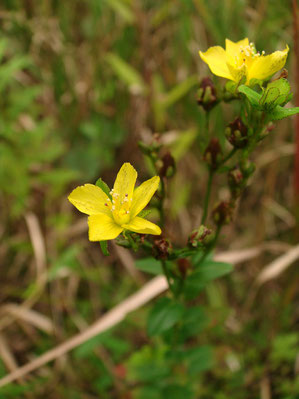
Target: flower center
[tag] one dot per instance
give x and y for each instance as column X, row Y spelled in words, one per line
column 247, row 55
column 120, row 208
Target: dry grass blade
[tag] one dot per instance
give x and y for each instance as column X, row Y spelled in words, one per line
column 265, row 388
column 30, row 316
column 278, row 266
column 239, row 256
column 39, row 248
column 279, row 211
column 6, row 355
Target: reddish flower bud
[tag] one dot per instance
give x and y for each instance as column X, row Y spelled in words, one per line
column 200, row 237
column 213, row 154
column 223, row 212
column 168, row 165
column 236, row 133
column 236, row 182
column 162, row 248
column 206, row 95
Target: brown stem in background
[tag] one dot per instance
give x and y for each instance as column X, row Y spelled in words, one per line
column 296, row 52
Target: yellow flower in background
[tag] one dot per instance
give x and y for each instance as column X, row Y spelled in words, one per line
column 241, row 59
column 109, row 217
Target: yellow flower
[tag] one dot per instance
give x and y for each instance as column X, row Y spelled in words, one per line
column 108, row 218
column 241, row 59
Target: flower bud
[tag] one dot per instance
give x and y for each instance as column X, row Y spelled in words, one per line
column 213, row 154
column 168, row 166
column 200, row 237
column 247, row 168
column 162, row 248
column 223, row 212
column 206, row 95
column 236, row 181
column 236, row 133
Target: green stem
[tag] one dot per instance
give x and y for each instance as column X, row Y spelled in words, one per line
column 211, row 246
column 167, row 275
column 180, row 288
column 207, row 197
column 207, row 122
column 209, row 185
column 161, row 203
column 228, row 156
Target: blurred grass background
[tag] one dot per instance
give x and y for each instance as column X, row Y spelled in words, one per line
column 81, row 83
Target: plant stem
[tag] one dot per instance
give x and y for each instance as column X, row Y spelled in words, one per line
column 228, row 156
column 211, row 246
column 207, row 197
column 207, row 122
column 209, row 185
column 161, row 203
column 166, row 273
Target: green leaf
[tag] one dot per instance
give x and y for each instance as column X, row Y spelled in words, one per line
column 175, row 391
column 122, row 9
column 206, row 272
column 284, row 348
column 199, row 359
column 127, row 74
column 279, row 113
column 194, row 321
column 283, row 86
column 210, row 270
column 100, row 183
column 147, row 392
column 163, row 316
column 9, row 69
column 14, row 390
column 252, row 96
column 107, row 339
column 276, row 93
column 104, row 248
column 269, row 98
column 148, row 364
column 149, row 265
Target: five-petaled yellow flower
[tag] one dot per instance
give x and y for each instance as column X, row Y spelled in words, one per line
column 241, row 59
column 108, row 218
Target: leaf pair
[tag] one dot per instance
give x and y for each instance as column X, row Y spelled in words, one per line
column 272, row 100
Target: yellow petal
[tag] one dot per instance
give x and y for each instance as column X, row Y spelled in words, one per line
column 125, row 182
column 215, row 57
column 237, row 72
column 234, row 49
column 89, row 199
column 143, row 194
column 102, row 227
column 265, row 66
column 142, row 226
